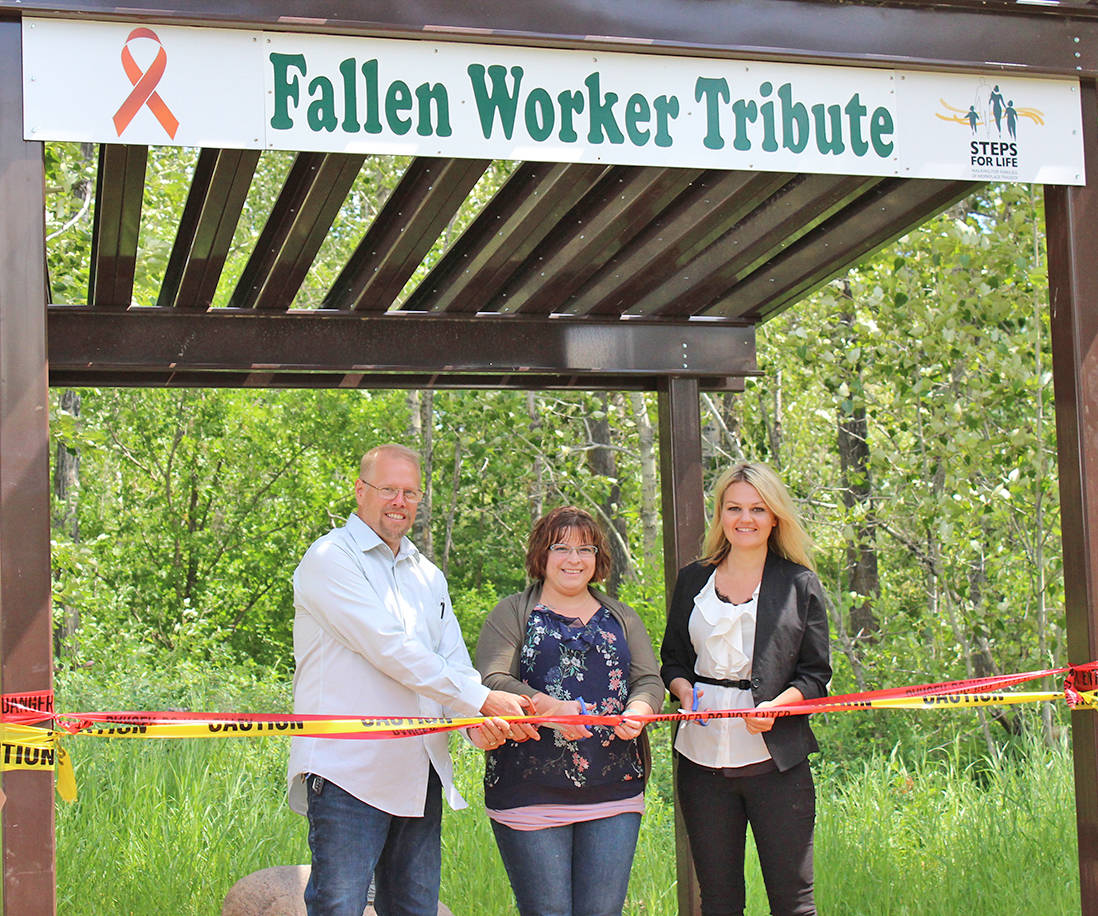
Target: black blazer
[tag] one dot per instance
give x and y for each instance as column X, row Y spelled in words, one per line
column 792, row 646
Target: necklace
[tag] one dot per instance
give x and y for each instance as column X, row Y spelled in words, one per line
column 732, row 586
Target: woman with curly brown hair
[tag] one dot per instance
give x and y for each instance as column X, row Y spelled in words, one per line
column 566, row 809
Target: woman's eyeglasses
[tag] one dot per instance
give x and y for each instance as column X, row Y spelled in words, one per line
column 585, row 551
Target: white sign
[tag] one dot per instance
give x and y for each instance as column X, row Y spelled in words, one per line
column 115, row 82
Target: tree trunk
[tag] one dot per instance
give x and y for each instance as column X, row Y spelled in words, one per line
column 650, row 484
column 1038, row 558
column 535, row 487
column 771, row 416
column 451, row 508
column 601, row 461
column 66, row 489
column 728, row 423
column 421, row 408
column 862, row 576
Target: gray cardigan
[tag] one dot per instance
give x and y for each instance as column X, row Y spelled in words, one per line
column 504, row 632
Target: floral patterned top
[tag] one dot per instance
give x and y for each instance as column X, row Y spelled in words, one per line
column 568, row 660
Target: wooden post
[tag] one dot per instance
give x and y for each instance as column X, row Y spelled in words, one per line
column 1071, row 218
column 683, row 527
column 25, row 646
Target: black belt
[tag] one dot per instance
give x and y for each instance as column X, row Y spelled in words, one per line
column 743, row 684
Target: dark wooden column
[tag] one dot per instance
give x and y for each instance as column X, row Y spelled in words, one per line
column 683, row 527
column 25, row 650
column 1071, row 217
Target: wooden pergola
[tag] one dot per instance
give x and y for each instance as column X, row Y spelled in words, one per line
column 581, row 275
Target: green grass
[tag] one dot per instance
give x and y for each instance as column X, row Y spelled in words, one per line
column 167, row 826
column 936, row 837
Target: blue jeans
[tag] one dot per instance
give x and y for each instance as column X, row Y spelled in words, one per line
column 579, row 869
column 351, row 840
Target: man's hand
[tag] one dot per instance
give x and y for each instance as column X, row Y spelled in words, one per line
column 490, row 734
column 501, row 703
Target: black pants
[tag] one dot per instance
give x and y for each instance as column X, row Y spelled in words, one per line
column 781, row 808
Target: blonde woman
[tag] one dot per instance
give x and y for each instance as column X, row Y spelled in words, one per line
column 747, row 628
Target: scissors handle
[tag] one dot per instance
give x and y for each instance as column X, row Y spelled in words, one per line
column 694, row 708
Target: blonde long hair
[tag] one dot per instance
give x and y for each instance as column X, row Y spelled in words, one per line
column 789, row 539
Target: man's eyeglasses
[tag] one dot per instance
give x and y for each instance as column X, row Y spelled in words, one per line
column 586, row 551
column 410, row 496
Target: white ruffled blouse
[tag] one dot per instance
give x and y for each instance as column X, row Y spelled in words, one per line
column 723, row 635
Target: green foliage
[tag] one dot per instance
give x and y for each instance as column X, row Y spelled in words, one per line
column 942, row 340
column 194, row 513
column 471, row 606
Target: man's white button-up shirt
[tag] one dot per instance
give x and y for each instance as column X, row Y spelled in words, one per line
column 375, row 635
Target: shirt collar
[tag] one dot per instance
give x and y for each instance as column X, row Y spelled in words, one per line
column 367, row 539
column 714, row 610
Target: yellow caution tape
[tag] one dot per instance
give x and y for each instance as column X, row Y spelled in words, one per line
column 35, row 747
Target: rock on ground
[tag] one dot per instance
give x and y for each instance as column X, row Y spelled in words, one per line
column 277, row 891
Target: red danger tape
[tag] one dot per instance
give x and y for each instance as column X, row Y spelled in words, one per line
column 1079, row 686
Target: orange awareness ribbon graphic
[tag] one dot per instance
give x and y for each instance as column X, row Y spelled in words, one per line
column 144, row 86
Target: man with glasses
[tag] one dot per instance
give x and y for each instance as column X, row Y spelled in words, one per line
column 375, row 635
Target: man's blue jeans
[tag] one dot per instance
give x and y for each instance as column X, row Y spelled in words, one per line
column 351, row 840
column 579, row 869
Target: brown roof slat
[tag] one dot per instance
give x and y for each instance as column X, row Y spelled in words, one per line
column 429, row 194
column 708, row 209
column 116, row 225
column 792, row 212
column 522, row 213
column 215, row 200
column 894, row 207
column 307, row 205
column 621, row 205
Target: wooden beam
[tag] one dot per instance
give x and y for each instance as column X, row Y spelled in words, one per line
column 430, row 192
column 1071, row 216
column 624, row 202
column 709, row 208
column 1019, row 38
column 164, row 340
column 683, row 527
column 791, row 213
column 25, row 631
column 893, row 207
column 438, row 381
column 532, row 201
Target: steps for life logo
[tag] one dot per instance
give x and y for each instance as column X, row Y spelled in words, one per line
column 996, row 138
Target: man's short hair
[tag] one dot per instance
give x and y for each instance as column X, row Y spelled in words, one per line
column 392, row 448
